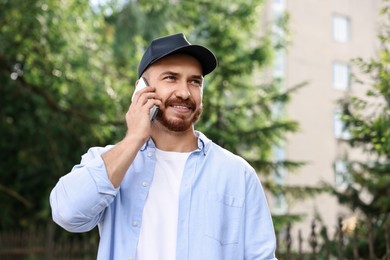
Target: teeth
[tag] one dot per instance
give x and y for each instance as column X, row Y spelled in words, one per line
column 181, row 107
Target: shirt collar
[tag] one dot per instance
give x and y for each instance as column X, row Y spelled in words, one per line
column 203, row 143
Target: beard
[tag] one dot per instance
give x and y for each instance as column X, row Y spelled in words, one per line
column 181, row 122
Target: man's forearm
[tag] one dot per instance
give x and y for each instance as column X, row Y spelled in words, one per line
column 80, row 196
column 119, row 158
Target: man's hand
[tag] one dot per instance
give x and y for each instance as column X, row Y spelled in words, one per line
column 138, row 115
column 118, row 159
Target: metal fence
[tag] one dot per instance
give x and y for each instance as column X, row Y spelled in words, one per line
column 46, row 243
column 345, row 244
column 42, row 243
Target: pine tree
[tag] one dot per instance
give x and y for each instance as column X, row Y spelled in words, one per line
column 243, row 112
column 367, row 120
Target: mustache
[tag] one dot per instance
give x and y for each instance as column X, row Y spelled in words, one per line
column 178, row 101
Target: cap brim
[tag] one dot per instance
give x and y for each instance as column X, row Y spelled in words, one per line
column 206, row 58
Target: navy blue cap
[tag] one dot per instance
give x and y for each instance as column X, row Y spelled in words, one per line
column 173, row 44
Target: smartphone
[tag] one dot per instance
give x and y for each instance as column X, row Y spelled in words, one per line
column 142, row 83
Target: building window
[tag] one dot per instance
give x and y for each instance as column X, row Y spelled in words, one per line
column 279, row 205
column 340, row 130
column 341, row 28
column 342, row 174
column 278, row 7
column 279, row 64
column 279, row 3
column 341, row 75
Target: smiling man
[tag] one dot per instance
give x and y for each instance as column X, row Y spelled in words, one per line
column 166, row 191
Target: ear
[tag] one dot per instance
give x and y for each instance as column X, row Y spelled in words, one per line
column 136, row 83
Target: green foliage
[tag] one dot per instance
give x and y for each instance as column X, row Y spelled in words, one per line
column 55, row 100
column 367, row 119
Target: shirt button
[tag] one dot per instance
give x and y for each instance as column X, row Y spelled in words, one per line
column 150, row 154
column 135, row 223
column 145, row 184
column 130, row 258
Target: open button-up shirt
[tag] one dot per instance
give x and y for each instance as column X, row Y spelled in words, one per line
column 223, row 212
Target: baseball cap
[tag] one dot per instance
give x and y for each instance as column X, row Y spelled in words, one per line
column 177, row 43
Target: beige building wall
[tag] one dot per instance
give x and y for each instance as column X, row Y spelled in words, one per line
column 310, row 58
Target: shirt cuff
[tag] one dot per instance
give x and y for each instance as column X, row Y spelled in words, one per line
column 97, row 170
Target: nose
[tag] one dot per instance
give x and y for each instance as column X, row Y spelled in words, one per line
column 182, row 90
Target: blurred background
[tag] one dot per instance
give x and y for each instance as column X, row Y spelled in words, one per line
column 301, row 92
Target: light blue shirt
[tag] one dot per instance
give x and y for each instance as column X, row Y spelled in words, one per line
column 223, row 212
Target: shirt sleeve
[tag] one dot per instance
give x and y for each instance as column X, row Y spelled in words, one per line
column 80, row 197
column 260, row 241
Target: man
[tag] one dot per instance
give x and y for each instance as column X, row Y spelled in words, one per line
column 166, row 191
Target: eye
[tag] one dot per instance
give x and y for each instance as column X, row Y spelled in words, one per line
column 170, row 77
column 196, row 82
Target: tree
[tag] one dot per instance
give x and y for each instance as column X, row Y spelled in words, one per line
column 239, row 105
column 367, row 119
column 55, row 100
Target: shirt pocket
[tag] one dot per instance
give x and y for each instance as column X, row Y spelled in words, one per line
column 223, row 217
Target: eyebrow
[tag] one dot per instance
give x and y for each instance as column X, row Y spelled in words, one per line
column 169, row 73
column 195, row 76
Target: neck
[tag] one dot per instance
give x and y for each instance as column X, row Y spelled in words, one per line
column 166, row 140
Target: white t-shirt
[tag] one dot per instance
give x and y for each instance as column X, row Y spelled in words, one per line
column 157, row 240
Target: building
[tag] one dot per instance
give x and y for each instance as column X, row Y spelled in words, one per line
column 325, row 35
